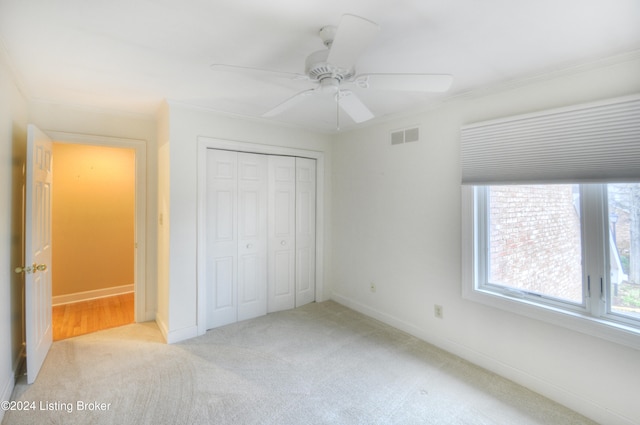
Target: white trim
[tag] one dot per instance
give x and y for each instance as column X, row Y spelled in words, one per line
column 171, row 337
column 555, row 111
column 7, row 390
column 205, row 143
column 162, row 325
column 542, row 77
column 140, row 262
column 9, row 385
column 576, row 402
column 91, row 295
column 181, row 334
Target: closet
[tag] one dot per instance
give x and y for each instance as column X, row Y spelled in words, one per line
column 260, row 234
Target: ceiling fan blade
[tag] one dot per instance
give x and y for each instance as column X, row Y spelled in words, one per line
column 353, row 106
column 289, row 103
column 352, row 36
column 257, row 72
column 405, row 82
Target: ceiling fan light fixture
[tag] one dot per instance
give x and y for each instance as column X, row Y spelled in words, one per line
column 329, row 85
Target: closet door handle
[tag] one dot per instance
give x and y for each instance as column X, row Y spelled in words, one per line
column 249, row 246
column 283, row 243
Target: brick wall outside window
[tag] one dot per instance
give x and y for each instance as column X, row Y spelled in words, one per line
column 535, row 239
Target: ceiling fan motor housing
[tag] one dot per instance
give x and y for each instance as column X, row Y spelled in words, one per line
column 317, row 68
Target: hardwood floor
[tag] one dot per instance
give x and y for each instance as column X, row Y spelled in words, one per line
column 90, row 316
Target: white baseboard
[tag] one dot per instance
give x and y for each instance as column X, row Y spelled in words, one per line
column 171, row 337
column 182, row 334
column 589, row 408
column 91, row 295
column 162, row 325
column 7, row 390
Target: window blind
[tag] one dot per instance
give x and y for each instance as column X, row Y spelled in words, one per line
column 592, row 142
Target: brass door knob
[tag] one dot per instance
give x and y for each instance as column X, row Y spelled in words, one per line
column 31, row 269
column 26, row 269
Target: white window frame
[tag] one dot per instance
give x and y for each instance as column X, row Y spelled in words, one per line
column 592, row 318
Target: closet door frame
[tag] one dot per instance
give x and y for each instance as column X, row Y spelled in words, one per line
column 205, row 143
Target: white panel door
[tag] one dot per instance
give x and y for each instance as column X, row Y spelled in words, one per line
column 281, row 224
column 38, row 329
column 222, row 238
column 252, row 235
column 305, row 231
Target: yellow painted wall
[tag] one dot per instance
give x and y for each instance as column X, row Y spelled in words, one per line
column 93, row 217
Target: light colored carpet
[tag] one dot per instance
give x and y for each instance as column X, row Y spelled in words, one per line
column 319, row 364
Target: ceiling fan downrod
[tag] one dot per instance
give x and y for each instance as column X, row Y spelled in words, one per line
column 338, row 110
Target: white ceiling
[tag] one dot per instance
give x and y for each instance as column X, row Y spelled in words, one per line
column 128, row 55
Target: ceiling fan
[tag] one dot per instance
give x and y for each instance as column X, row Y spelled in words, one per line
column 332, row 71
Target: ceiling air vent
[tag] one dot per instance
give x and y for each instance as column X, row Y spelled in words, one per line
column 405, row 135
column 397, row 137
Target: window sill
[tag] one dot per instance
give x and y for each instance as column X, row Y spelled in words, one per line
column 598, row 327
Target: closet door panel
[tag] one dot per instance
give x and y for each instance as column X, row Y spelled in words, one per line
column 305, row 231
column 252, row 235
column 223, row 271
column 281, row 225
column 222, row 256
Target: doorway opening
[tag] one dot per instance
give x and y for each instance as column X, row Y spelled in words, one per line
column 94, row 235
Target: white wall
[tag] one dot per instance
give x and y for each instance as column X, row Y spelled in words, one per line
column 396, row 222
column 185, row 125
column 13, row 130
column 96, row 122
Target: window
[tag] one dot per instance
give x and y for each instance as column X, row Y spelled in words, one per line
column 533, row 244
column 551, row 216
column 624, row 252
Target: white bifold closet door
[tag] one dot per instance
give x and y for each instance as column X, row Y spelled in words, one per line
column 260, row 234
column 236, row 236
column 305, row 231
column 282, row 233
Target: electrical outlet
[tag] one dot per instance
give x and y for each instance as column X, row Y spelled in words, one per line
column 372, row 287
column 437, row 311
